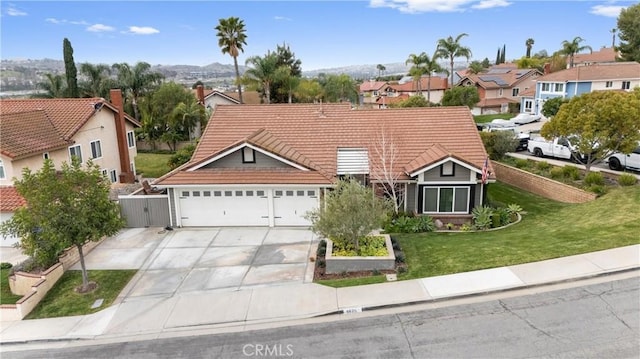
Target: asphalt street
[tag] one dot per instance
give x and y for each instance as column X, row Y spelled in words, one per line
column 590, row 321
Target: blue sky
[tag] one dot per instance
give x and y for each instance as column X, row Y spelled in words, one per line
column 322, row 34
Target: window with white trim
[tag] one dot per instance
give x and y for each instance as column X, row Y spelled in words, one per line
column 45, row 156
column 131, row 140
column 445, row 200
column 2, row 175
column 608, row 84
column 626, row 85
column 248, row 155
column 105, row 173
column 96, row 149
column 447, row 169
column 515, row 91
column 500, row 92
column 75, row 151
column 528, row 105
column 113, row 176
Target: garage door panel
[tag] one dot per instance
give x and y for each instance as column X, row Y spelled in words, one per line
column 224, row 207
column 291, row 204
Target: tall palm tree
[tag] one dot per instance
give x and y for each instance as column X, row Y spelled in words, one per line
column 136, row 81
column 529, row 43
column 231, row 38
column 263, row 73
column 55, row 87
column 97, row 83
column 418, row 68
column 475, row 67
column 451, row 48
column 570, row 48
column 381, row 68
column 431, row 66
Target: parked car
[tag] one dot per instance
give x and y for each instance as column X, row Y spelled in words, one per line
column 558, row 148
column 524, row 118
column 620, row 161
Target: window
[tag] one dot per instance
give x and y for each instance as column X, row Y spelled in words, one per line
column 311, row 193
column 75, row 151
column 45, row 155
column 289, row 193
column 528, row 105
column 217, row 193
column 558, row 88
column 260, row 193
column 206, row 193
column 515, row 91
column 228, row 193
column 2, row 175
column 447, row 169
column 196, row 193
column 105, row 173
column 299, row 193
column 626, row 85
column 546, row 87
column 238, row 193
column 113, row 176
column 278, row 193
column 445, row 200
column 500, row 92
column 249, row 193
column 96, row 149
column 185, row 193
column 608, row 84
column 131, row 140
column 248, row 155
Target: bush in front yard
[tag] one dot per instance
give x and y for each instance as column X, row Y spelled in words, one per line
column 594, row 178
column 627, row 179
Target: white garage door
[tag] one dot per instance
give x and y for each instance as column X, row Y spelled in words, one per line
column 224, row 207
column 291, row 204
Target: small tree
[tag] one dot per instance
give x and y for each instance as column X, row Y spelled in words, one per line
column 552, row 106
column 383, row 159
column 351, row 211
column 413, row 101
column 69, row 207
column 461, row 96
column 498, row 143
column 600, row 122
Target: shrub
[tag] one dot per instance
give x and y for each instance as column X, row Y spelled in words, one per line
column 571, row 172
column 400, row 257
column 375, row 272
column 597, row 189
column 499, row 143
column 369, row 246
column 522, row 163
column 466, row 227
column 627, row 179
column 557, row 173
column 423, row 224
column 482, row 217
column 402, row 270
column 543, row 165
column 5, row 265
column 182, row 156
column 594, row 178
column 322, row 263
column 417, row 224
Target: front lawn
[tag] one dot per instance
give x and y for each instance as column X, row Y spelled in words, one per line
column 62, row 300
column 152, row 165
column 548, row 230
column 6, row 297
column 489, row 118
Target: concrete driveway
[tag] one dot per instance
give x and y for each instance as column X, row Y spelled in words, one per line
column 203, row 259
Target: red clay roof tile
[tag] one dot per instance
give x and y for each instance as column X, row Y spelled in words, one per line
column 26, row 133
column 10, row 200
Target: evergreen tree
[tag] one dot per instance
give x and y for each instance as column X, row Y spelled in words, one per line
column 498, row 57
column 503, row 54
column 70, row 69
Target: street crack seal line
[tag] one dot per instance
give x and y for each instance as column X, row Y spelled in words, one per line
column 531, row 325
column 405, row 336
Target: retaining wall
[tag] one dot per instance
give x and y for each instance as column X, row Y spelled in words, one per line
column 540, row 185
column 335, row 264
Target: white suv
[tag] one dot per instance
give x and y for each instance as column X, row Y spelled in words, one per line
column 619, row 161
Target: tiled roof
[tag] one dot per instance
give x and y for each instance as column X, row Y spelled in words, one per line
column 437, row 83
column 528, row 92
column 10, row 200
column 504, row 78
column 387, row 100
column 605, row 54
column 67, row 115
column 371, row 85
column 248, row 97
column 316, row 132
column 494, row 102
column 26, row 133
column 603, row 71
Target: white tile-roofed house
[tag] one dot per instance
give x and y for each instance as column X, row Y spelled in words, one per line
column 614, row 76
column 499, row 87
column 267, row 165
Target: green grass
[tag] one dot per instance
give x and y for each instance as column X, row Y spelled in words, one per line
column 62, row 300
column 548, row 230
column 350, row 282
column 489, row 118
column 6, row 297
column 152, row 165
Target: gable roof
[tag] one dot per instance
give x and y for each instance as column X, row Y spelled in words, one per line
column 314, row 132
column 500, row 77
column 605, row 54
column 437, row 83
column 371, row 85
column 248, row 97
column 595, row 72
column 26, row 133
column 10, row 200
column 67, row 115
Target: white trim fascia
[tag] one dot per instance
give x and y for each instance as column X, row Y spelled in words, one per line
column 241, row 146
column 448, row 158
column 448, row 183
column 253, row 186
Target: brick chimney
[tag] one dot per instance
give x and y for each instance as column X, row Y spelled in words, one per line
column 126, row 176
column 547, row 68
column 200, row 94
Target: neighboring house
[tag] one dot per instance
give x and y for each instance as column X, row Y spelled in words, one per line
column 370, row 92
column 90, row 128
column 616, row 76
column 267, row 165
column 437, row 86
column 499, row 87
column 10, row 201
column 211, row 98
column 248, row 97
column 378, row 94
column 604, row 55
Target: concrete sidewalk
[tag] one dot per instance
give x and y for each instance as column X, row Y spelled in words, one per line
column 161, row 316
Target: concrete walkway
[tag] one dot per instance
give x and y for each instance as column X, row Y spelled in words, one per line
column 161, row 316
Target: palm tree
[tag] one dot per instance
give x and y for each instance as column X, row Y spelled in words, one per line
column 288, row 82
column 476, row 67
column 451, row 48
column 381, row 68
column 570, row 48
column 529, row 43
column 97, row 83
column 136, row 81
column 263, row 73
column 189, row 116
column 431, row 66
column 418, row 68
column 55, row 87
column 231, row 38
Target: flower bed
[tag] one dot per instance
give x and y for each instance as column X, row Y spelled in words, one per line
column 349, row 263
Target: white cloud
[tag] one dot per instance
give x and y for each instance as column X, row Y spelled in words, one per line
column 418, row 6
column 81, row 22
column 142, row 30
column 606, row 10
column 54, row 20
column 13, row 11
column 281, row 18
column 488, row 4
column 100, row 28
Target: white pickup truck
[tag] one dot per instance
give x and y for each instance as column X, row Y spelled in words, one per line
column 558, row 148
column 620, row 161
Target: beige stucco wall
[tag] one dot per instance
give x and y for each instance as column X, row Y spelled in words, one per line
column 100, row 127
column 616, row 85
